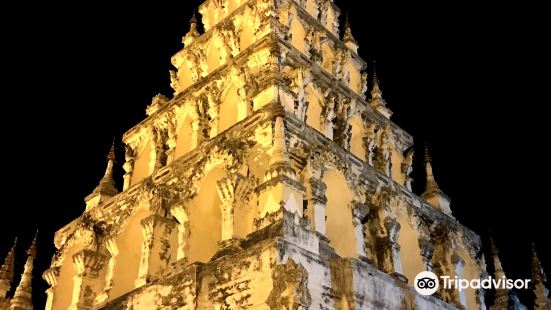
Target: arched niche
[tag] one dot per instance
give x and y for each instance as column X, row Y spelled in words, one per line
column 205, row 218
column 470, row 270
column 127, row 262
column 328, row 57
column 63, row 295
column 410, row 253
column 214, row 54
column 314, row 111
column 248, row 29
column 396, row 159
column 355, row 79
column 145, row 159
column 230, row 113
column 357, row 133
column 312, row 8
column 184, row 135
column 339, row 225
column 298, row 35
column 186, row 74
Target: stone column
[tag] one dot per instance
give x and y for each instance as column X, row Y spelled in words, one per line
column 427, row 251
column 156, row 254
column 390, row 249
column 179, row 213
column 160, row 138
column 197, row 135
column 459, row 264
column 393, row 230
column 317, row 203
column 113, row 249
column 171, row 138
column 226, row 194
column 88, row 285
column 359, row 213
column 51, row 275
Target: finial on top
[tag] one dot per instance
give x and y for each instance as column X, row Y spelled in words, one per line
column 193, row 20
column 428, row 159
column 32, row 249
column 348, row 38
column 111, row 155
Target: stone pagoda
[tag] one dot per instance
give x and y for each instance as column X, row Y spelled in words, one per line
column 267, row 180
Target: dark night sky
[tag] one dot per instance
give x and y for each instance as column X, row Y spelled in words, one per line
column 468, row 79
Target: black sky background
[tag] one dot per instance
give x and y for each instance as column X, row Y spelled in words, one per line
column 470, row 80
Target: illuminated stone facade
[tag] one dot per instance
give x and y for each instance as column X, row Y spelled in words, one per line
column 267, row 181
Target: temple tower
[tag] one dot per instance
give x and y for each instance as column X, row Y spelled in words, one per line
column 267, row 180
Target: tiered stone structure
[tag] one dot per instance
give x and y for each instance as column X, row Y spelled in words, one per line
column 266, row 181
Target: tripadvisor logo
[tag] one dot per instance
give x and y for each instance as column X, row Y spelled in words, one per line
column 427, row 283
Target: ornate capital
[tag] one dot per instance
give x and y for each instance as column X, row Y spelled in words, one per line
column 89, row 263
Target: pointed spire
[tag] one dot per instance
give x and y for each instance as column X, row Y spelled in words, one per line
column 537, row 270
column 6, row 271
column 279, row 149
column 106, row 185
column 348, row 38
column 501, row 298
column 542, row 300
column 431, row 185
column 22, row 299
column 498, row 269
column 377, row 101
column 192, row 33
column 432, row 194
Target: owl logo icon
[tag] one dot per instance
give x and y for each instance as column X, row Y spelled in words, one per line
column 426, row 283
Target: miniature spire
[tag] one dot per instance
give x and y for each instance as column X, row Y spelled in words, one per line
column 192, row 33
column 107, row 184
column 6, row 271
column 279, row 149
column 538, row 276
column 504, row 298
column 432, row 194
column 348, row 38
column 498, row 269
column 501, row 299
column 376, row 90
column 431, row 185
column 377, row 101
column 22, row 299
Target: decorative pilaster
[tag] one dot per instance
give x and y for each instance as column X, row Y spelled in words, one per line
column 113, row 250
column 407, row 168
column 128, row 166
column 171, row 138
column 160, row 137
column 156, row 252
column 393, row 262
column 280, row 181
column 50, row 276
column 427, row 252
column 370, row 144
column 88, row 285
column 360, row 212
column 317, row 204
